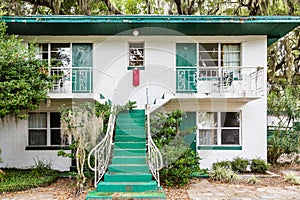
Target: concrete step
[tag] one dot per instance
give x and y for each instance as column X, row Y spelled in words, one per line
column 151, row 195
column 127, row 177
column 126, row 186
column 129, row 152
column 130, row 145
column 128, row 168
column 130, row 138
column 130, row 131
column 129, row 160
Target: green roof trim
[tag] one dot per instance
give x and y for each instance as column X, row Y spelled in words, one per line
column 273, row 26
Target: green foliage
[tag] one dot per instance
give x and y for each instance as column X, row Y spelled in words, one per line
column 41, row 168
column 128, row 106
column 224, row 164
column 253, row 180
column 239, row 164
column 24, row 80
column 259, row 165
column 180, row 161
column 22, row 179
column 164, row 127
column 282, row 142
column 223, row 174
column 292, row 179
column 2, row 175
column 103, row 111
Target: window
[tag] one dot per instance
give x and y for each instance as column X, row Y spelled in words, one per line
column 44, row 129
column 136, row 54
column 214, row 56
column 219, row 128
column 72, row 73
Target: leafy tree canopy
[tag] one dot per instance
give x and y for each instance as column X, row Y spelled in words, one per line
column 24, row 80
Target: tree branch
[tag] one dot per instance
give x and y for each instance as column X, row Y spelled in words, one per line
column 111, row 7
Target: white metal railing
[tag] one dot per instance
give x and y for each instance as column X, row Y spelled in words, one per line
column 103, row 150
column 69, row 80
column 244, row 80
column 155, row 160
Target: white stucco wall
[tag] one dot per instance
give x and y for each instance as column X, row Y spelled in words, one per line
column 14, row 139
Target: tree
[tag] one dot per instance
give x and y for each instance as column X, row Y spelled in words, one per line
column 24, row 80
column 81, row 124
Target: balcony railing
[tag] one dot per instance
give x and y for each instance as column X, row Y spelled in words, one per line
column 246, row 81
column 71, row 80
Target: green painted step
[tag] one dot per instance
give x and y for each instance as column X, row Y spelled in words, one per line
column 133, row 111
column 140, row 131
column 129, row 152
column 126, row 186
column 130, row 126
column 138, row 120
column 130, row 145
column 127, row 177
column 128, row 168
column 157, row 195
column 129, row 160
column 130, row 138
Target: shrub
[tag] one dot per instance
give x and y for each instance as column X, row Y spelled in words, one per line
column 42, row 167
column 253, row 180
column 22, row 179
column 180, row 162
column 225, row 164
column 223, row 174
column 2, row 175
column 292, row 178
column 239, row 164
column 259, row 165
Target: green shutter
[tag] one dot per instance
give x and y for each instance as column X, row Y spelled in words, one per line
column 82, row 75
column 186, row 71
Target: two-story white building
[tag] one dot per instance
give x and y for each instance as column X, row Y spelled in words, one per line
column 212, row 67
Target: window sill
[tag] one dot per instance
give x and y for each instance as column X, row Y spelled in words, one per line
column 220, row 147
column 138, row 67
column 46, row 148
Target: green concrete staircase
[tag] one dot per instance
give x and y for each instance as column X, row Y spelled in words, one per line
column 128, row 175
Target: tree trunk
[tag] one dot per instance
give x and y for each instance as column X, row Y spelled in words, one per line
column 111, row 7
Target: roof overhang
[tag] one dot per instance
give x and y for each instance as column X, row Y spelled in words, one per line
column 274, row 27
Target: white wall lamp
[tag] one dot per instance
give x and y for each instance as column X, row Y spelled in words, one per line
column 135, row 32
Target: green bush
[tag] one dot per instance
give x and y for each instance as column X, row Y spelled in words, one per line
column 225, row 164
column 22, row 179
column 180, row 162
column 42, row 168
column 259, row 165
column 223, row 174
column 239, row 164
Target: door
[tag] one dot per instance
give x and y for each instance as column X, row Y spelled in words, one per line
column 186, row 67
column 82, row 75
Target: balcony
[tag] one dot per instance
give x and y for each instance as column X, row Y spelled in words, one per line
column 235, row 82
column 69, row 82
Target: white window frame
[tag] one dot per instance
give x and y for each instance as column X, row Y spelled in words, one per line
column 48, row 131
column 129, row 54
column 219, row 129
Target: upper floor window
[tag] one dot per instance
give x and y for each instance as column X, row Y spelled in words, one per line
column 219, row 128
column 136, row 54
column 219, row 55
column 56, row 54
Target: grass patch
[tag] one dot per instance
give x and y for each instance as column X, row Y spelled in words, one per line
column 22, row 179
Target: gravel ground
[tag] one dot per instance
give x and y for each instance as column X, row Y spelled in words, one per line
column 63, row 189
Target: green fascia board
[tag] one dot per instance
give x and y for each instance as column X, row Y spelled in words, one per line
column 273, row 26
column 204, row 147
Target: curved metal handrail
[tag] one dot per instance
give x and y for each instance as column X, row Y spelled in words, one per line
column 102, row 151
column 155, row 160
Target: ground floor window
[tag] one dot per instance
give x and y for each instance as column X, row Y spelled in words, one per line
column 219, row 128
column 44, row 129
